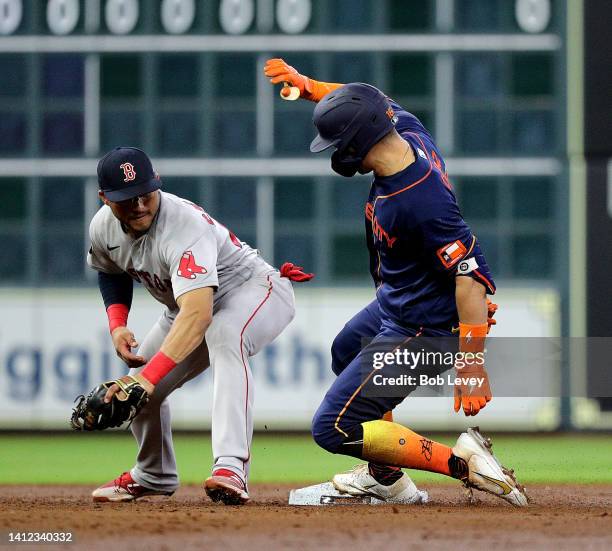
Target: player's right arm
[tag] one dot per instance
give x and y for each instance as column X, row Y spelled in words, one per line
column 279, row 71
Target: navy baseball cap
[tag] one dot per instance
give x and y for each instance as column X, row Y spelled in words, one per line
column 357, row 114
column 125, row 173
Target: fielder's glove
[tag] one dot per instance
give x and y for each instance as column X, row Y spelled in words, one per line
column 92, row 413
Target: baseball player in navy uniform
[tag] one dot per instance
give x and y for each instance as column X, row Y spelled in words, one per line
column 222, row 303
column 431, row 279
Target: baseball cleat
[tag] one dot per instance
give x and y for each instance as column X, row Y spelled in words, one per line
column 226, row 486
column 359, row 482
column 484, row 471
column 124, row 488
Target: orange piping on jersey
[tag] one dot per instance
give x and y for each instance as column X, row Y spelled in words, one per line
column 487, row 283
column 346, row 406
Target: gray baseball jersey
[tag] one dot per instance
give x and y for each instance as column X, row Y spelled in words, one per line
column 184, row 249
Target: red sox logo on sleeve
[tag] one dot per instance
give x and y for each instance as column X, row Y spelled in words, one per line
column 188, row 268
column 128, row 171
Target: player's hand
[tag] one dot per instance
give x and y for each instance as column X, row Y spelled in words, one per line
column 114, row 389
column 472, row 389
column 491, row 309
column 279, row 71
column 124, row 341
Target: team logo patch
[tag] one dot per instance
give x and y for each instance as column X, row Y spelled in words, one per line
column 452, row 253
column 128, row 171
column 188, row 268
column 467, row 266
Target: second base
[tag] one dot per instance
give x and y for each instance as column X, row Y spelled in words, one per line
column 326, row 494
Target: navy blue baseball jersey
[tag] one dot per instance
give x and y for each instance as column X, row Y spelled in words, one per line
column 417, row 238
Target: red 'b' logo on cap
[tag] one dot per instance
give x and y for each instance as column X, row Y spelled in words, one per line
column 128, row 172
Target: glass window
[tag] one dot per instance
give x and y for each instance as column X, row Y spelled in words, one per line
column 121, row 128
column 121, row 76
column 478, row 131
column 14, row 76
column 349, row 198
column 62, row 257
column 179, row 76
column 13, row 199
column 478, row 15
column 187, row 188
column 62, row 200
column 352, row 67
column 350, row 15
column 533, row 256
column 294, row 198
column 412, row 15
column 479, row 75
column 236, row 200
column 540, row 204
column 63, row 133
column 234, row 76
column 350, row 257
column 533, row 132
column 533, row 74
column 63, row 76
column 179, row 133
column 293, row 130
column 12, row 132
column 298, row 249
column 410, row 75
column 14, row 247
column 234, row 132
column 478, row 199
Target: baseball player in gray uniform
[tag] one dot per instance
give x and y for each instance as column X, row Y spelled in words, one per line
column 222, row 304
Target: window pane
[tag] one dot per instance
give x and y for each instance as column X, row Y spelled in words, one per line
column 63, row 76
column 350, row 257
column 298, row 249
column 236, row 200
column 13, row 257
column 541, row 203
column 62, row 200
column 351, row 15
column 533, row 132
column 293, row 130
column 533, row 74
column 352, row 67
column 179, row 133
column 13, row 198
column 481, row 15
column 410, row 75
column 294, row 199
column 14, row 78
column 121, row 76
column 415, row 15
column 187, row 188
column 479, row 75
column 63, row 133
column 121, row 128
column 234, row 77
column 349, row 198
column 235, row 132
column 478, row 131
column 62, row 257
column 533, row 256
column 12, row 132
column 478, row 199
column 179, row 76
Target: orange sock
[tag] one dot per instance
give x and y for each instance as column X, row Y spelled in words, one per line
column 389, row 443
column 388, row 416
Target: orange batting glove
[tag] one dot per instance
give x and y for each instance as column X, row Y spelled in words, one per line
column 472, row 388
column 313, row 90
column 491, row 309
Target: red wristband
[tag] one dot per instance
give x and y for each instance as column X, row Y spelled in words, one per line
column 117, row 316
column 158, row 367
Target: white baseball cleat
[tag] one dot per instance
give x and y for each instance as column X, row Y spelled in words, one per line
column 124, row 488
column 359, row 482
column 485, row 472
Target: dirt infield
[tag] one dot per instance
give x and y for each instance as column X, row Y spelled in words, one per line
column 561, row 517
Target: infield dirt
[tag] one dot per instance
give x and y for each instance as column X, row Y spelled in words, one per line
column 560, row 517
